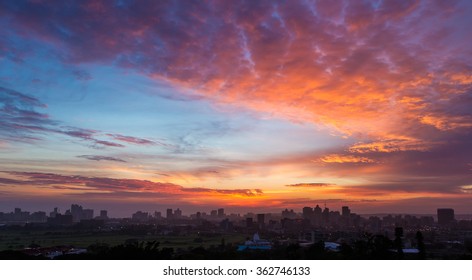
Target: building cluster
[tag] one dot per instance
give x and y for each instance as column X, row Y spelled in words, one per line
column 309, row 218
column 75, row 214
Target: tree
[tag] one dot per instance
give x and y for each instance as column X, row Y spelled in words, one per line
column 421, row 248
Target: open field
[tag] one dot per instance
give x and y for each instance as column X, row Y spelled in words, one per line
column 16, row 240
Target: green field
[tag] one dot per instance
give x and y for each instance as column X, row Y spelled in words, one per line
column 16, row 240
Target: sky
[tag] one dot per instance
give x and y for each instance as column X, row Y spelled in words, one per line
column 251, row 106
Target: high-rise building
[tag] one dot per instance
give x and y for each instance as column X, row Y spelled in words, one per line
column 140, row 216
column 87, row 214
column 169, row 214
column 213, row 213
column 54, row 213
column 346, row 212
column 288, row 214
column 103, row 214
column 221, row 212
column 260, row 219
column 76, row 211
column 445, row 216
column 249, row 222
column 178, row 213
column 307, row 212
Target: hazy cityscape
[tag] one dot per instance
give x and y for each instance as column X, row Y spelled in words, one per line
column 308, row 233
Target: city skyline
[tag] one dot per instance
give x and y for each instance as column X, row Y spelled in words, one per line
column 250, row 106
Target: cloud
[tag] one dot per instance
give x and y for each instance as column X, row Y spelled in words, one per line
column 392, row 76
column 99, row 158
column 239, row 192
column 130, row 139
column 120, row 187
column 20, row 121
column 373, row 65
column 310, row 185
column 345, row 159
column 390, row 146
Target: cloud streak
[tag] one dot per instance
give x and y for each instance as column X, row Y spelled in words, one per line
column 110, row 186
column 20, row 121
column 100, row 158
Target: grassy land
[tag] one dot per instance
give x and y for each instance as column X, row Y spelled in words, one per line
column 20, row 239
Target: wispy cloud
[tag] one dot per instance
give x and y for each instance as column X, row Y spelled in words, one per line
column 130, row 139
column 345, row 159
column 99, row 158
column 20, row 121
column 310, row 185
column 111, row 186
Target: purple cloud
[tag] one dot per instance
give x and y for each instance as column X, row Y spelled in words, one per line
column 99, row 158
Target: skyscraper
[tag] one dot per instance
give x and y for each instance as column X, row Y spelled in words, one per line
column 346, row 211
column 169, row 214
column 260, row 219
column 445, row 216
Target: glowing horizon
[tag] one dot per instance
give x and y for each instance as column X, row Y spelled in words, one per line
column 245, row 105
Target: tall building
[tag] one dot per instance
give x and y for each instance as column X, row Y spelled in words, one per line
column 103, row 214
column 326, row 215
column 213, row 213
column 249, row 223
column 260, row 219
column 87, row 214
column 169, row 214
column 140, row 216
column 221, row 212
column 288, row 214
column 445, row 216
column 76, row 211
column 346, row 212
column 307, row 212
column 178, row 213
column 54, row 213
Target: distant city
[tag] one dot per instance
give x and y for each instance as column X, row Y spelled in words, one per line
column 316, row 217
column 252, row 234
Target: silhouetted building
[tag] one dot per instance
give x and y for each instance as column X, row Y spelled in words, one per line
column 59, row 219
column 157, row 215
column 346, row 212
column 307, row 212
column 54, row 212
column 79, row 214
column 445, row 216
column 140, row 216
column 76, row 211
column 226, row 224
column 325, row 215
column 288, row 214
column 221, row 212
column 103, row 214
column 260, row 220
column 169, row 213
column 39, row 217
column 249, row 222
column 177, row 214
column 213, row 213
column 87, row 214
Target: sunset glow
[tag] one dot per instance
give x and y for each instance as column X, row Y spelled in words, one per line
column 246, row 105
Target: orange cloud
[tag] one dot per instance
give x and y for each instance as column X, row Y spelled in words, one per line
column 345, row 159
column 447, row 123
column 390, row 145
